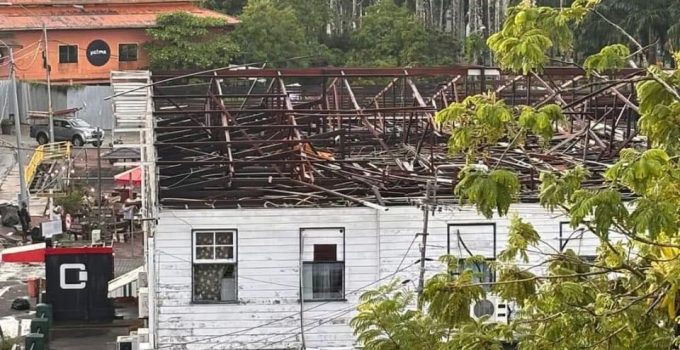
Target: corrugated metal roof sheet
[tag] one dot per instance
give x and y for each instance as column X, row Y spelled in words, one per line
column 100, row 16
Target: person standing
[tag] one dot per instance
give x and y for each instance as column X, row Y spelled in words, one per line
column 128, row 216
column 25, row 220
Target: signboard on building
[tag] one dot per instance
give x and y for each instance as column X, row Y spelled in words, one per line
column 78, row 283
column 98, row 53
column 96, row 236
column 51, row 228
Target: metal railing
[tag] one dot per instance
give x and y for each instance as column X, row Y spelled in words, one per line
column 56, row 150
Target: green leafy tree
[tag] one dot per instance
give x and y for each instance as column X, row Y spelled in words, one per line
column 652, row 23
column 231, row 7
column 628, row 297
column 183, row 41
column 270, row 32
column 314, row 15
column 390, row 35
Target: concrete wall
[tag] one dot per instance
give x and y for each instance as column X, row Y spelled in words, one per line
column 267, row 314
column 97, row 111
column 30, row 63
column 31, row 96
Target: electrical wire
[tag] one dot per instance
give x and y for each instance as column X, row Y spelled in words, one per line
column 189, row 75
column 18, row 54
column 20, row 57
column 23, row 148
column 290, row 316
column 80, row 48
column 35, row 56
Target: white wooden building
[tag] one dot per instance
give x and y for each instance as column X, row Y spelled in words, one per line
column 342, row 253
column 269, row 208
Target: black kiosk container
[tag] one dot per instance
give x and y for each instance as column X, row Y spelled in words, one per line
column 78, row 283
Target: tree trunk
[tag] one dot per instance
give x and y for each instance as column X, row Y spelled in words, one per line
column 651, row 51
column 442, row 15
column 354, row 14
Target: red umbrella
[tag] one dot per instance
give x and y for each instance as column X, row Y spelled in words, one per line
column 132, row 177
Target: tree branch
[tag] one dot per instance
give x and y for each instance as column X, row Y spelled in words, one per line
column 625, row 33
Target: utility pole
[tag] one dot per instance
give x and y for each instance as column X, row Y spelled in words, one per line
column 48, row 72
column 99, row 177
column 423, row 244
column 23, row 197
column 302, row 295
column 50, row 111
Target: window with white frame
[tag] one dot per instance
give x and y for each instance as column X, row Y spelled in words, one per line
column 581, row 241
column 214, row 265
column 128, row 52
column 323, row 267
column 68, row 53
column 466, row 240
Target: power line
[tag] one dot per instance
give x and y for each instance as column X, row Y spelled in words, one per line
column 23, row 148
column 35, row 56
column 16, row 59
column 17, row 52
column 189, row 75
column 292, row 315
column 80, row 48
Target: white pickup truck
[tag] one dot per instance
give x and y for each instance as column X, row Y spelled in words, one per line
column 78, row 131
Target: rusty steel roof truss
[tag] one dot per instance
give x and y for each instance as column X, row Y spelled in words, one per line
column 250, row 138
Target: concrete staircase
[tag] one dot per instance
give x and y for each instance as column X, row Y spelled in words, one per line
column 9, row 191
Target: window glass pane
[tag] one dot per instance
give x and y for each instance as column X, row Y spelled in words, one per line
column 80, row 122
column 307, row 281
column 214, row 282
column 224, row 238
column 325, row 252
column 127, row 52
column 326, row 280
column 482, row 271
column 204, row 238
column 204, row 253
column 222, row 252
column 68, row 54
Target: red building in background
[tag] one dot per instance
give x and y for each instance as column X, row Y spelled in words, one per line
column 86, row 38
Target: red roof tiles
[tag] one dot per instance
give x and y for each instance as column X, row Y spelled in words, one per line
column 95, row 14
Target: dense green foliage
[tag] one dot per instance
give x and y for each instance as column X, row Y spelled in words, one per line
column 232, row 7
column 628, row 297
column 280, row 35
column 183, row 41
column 435, row 32
column 392, row 36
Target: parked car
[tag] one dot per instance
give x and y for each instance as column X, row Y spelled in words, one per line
column 78, row 131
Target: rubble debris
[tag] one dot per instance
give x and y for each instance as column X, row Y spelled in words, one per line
column 348, row 137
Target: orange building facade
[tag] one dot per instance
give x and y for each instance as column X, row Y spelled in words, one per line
column 86, row 39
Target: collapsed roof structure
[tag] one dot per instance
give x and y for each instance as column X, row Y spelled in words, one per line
column 357, row 136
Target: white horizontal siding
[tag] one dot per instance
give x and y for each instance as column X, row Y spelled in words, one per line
column 268, row 242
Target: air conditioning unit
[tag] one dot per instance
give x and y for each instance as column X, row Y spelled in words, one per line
column 498, row 310
column 127, row 343
column 143, row 302
column 145, row 346
column 143, row 334
column 142, row 280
